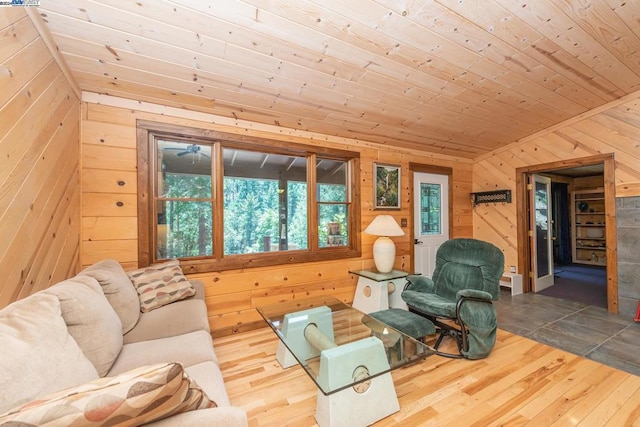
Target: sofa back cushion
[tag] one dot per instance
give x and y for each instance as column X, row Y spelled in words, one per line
column 90, row 319
column 37, row 354
column 118, row 289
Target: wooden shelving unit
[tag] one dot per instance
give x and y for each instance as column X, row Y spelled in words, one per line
column 588, row 237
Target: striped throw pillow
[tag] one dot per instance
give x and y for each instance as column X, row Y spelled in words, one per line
column 160, row 284
column 132, row 398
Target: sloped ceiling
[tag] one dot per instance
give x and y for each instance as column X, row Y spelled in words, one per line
column 459, row 77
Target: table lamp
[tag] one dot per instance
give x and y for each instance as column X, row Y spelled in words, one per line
column 384, row 250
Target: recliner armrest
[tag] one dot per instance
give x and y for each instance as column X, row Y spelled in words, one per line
column 419, row 284
column 473, row 293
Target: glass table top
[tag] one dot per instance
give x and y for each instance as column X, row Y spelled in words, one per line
column 379, row 277
column 326, row 335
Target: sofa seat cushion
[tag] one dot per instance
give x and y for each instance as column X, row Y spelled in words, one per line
column 90, row 320
column 132, row 398
column 118, row 289
column 209, row 378
column 37, row 354
column 188, row 349
column 222, row 416
column 170, row 320
column 160, row 284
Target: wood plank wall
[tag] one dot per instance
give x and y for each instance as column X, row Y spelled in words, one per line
column 39, row 163
column 614, row 129
column 108, row 231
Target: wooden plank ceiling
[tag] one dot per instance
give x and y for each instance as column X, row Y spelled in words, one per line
column 459, row 77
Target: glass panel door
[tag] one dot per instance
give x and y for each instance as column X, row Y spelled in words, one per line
column 541, row 223
column 431, row 219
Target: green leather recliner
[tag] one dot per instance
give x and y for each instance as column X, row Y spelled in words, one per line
column 458, row 298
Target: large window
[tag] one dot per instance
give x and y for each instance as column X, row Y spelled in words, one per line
column 219, row 201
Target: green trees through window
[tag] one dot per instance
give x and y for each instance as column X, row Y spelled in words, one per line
column 251, row 220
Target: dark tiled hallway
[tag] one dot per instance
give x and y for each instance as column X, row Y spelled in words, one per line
column 582, row 329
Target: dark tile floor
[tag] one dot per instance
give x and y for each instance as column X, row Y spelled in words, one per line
column 581, row 329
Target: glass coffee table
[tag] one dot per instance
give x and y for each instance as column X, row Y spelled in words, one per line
column 348, row 355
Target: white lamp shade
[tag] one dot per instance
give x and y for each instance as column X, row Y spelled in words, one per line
column 384, row 250
column 384, row 225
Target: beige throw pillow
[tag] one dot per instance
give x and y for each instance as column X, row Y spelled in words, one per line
column 160, row 284
column 118, row 289
column 37, row 354
column 132, row 398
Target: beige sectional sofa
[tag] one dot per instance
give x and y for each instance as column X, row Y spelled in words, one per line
column 82, row 349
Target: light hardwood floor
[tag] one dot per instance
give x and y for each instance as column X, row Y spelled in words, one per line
column 522, row 382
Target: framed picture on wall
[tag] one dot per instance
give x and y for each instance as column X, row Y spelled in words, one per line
column 386, row 186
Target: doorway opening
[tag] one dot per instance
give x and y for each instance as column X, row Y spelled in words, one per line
column 582, row 283
column 582, row 222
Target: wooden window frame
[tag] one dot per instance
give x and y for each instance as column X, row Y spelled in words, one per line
column 148, row 131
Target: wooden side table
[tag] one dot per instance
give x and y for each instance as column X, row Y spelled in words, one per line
column 512, row 281
column 379, row 291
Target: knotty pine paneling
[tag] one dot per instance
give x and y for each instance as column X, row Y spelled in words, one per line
column 39, row 164
column 109, row 228
column 614, row 130
column 460, row 78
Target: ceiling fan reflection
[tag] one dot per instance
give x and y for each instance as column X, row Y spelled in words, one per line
column 189, row 149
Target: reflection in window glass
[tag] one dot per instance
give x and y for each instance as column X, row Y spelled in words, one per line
column 331, row 176
column 332, row 225
column 430, row 209
column 542, row 228
column 265, row 202
column 184, row 206
column 184, row 170
column 541, row 206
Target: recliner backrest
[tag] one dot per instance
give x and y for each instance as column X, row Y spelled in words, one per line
column 467, row 264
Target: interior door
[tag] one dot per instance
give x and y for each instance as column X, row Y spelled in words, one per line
column 431, row 219
column 542, row 232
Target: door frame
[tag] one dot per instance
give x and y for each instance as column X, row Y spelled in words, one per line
column 523, row 206
column 436, row 170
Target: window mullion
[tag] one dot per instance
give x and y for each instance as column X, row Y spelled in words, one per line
column 152, row 164
column 353, row 200
column 217, row 174
column 146, row 223
column 312, row 207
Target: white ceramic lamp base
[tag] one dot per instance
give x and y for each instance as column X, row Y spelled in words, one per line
column 384, row 254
